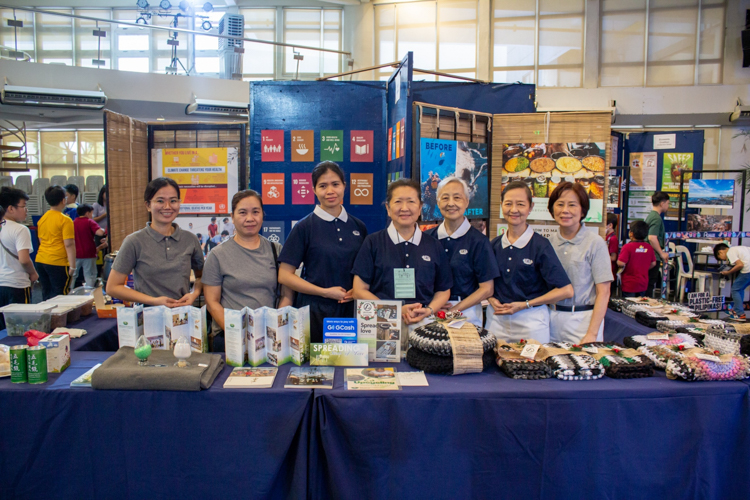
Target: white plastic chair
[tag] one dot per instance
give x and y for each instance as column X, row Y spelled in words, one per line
column 6, row 181
column 23, row 182
column 94, row 183
column 58, row 180
column 685, row 274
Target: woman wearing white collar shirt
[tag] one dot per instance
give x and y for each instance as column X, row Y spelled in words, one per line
column 402, row 263
column 531, row 275
column 327, row 241
column 472, row 262
column 585, row 257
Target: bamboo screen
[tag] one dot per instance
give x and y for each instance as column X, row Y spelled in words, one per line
column 126, row 168
column 476, row 132
column 544, row 128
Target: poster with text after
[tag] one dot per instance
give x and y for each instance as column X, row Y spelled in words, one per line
column 207, row 176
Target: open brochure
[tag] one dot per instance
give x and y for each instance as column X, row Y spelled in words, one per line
column 163, row 326
column 276, row 336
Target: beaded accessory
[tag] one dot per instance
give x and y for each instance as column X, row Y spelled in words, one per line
column 575, row 367
column 430, row 363
column 433, row 339
column 520, row 368
column 692, row 369
column 686, row 339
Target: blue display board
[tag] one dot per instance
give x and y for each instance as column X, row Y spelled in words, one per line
column 282, row 112
column 399, row 121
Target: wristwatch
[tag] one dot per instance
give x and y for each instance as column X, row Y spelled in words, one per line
column 432, row 311
column 528, row 306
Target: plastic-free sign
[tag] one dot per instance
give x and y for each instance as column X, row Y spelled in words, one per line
column 360, row 189
column 303, row 145
column 302, row 190
column 272, row 145
column 273, row 189
column 331, row 145
column 361, row 146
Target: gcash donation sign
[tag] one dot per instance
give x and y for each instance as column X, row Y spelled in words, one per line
column 207, row 177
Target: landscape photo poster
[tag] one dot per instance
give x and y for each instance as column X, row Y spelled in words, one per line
column 711, row 193
column 543, row 166
column 440, row 159
column 713, row 223
column 673, row 164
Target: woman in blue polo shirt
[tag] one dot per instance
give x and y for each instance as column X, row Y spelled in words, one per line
column 327, row 241
column 402, row 263
column 472, row 262
column 531, row 275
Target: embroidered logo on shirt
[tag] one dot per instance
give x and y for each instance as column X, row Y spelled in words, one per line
column 355, row 233
column 426, row 257
column 640, row 249
column 463, row 251
column 528, row 262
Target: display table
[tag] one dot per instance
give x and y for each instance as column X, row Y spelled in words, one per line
column 617, row 326
column 101, row 336
column 488, row 436
column 80, row 443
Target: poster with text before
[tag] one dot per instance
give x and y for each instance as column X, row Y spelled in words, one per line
column 440, row 159
column 207, row 176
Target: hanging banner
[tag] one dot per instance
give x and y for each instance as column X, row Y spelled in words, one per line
column 207, row 176
column 643, row 171
column 543, row 166
column 672, row 165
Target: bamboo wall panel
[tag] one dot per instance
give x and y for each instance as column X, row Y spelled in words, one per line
column 126, row 170
column 540, row 128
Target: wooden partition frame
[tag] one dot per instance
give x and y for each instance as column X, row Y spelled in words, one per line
column 588, row 126
column 126, row 174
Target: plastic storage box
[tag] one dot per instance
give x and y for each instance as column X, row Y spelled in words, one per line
column 62, row 314
column 84, row 303
column 20, row 318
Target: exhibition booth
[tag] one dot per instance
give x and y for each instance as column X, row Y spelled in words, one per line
column 123, row 414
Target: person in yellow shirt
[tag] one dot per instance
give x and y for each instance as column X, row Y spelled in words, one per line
column 56, row 257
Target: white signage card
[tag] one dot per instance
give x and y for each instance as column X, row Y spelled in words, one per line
column 665, row 141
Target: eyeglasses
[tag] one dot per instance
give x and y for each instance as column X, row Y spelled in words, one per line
column 19, row 207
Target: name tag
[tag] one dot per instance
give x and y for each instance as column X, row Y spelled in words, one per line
column 404, row 286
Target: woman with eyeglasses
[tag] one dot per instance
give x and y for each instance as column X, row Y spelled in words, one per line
column 160, row 256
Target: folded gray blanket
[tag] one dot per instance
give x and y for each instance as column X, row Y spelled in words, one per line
column 121, row 372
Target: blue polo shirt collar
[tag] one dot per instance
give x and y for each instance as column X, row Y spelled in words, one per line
column 396, row 238
column 328, row 217
column 520, row 242
column 442, row 233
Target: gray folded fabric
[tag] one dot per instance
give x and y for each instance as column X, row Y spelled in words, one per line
column 121, row 372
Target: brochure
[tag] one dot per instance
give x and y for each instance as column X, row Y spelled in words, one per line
column 310, row 377
column 372, row 379
column 338, row 354
column 255, row 378
column 412, row 379
column 276, row 336
column 379, row 326
column 163, row 326
column 85, row 379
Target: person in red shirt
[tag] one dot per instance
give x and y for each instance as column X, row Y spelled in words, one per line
column 613, row 247
column 213, row 228
column 85, row 229
column 637, row 257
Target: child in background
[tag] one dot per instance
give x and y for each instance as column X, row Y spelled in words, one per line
column 613, row 247
column 213, row 228
column 71, row 195
column 638, row 258
column 85, row 229
column 739, row 258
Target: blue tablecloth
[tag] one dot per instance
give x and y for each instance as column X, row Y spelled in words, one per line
column 79, row 443
column 101, row 336
column 488, row 436
column 617, row 326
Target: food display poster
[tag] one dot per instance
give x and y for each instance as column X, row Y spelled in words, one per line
column 543, row 166
column 440, row 159
column 672, row 165
column 207, row 176
column 643, row 171
column 711, row 193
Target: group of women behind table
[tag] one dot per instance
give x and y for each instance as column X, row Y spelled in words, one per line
column 554, row 289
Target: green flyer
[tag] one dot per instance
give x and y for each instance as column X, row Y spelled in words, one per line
column 672, row 165
column 331, row 145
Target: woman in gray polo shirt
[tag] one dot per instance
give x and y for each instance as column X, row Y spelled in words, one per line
column 242, row 271
column 584, row 255
column 160, row 256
